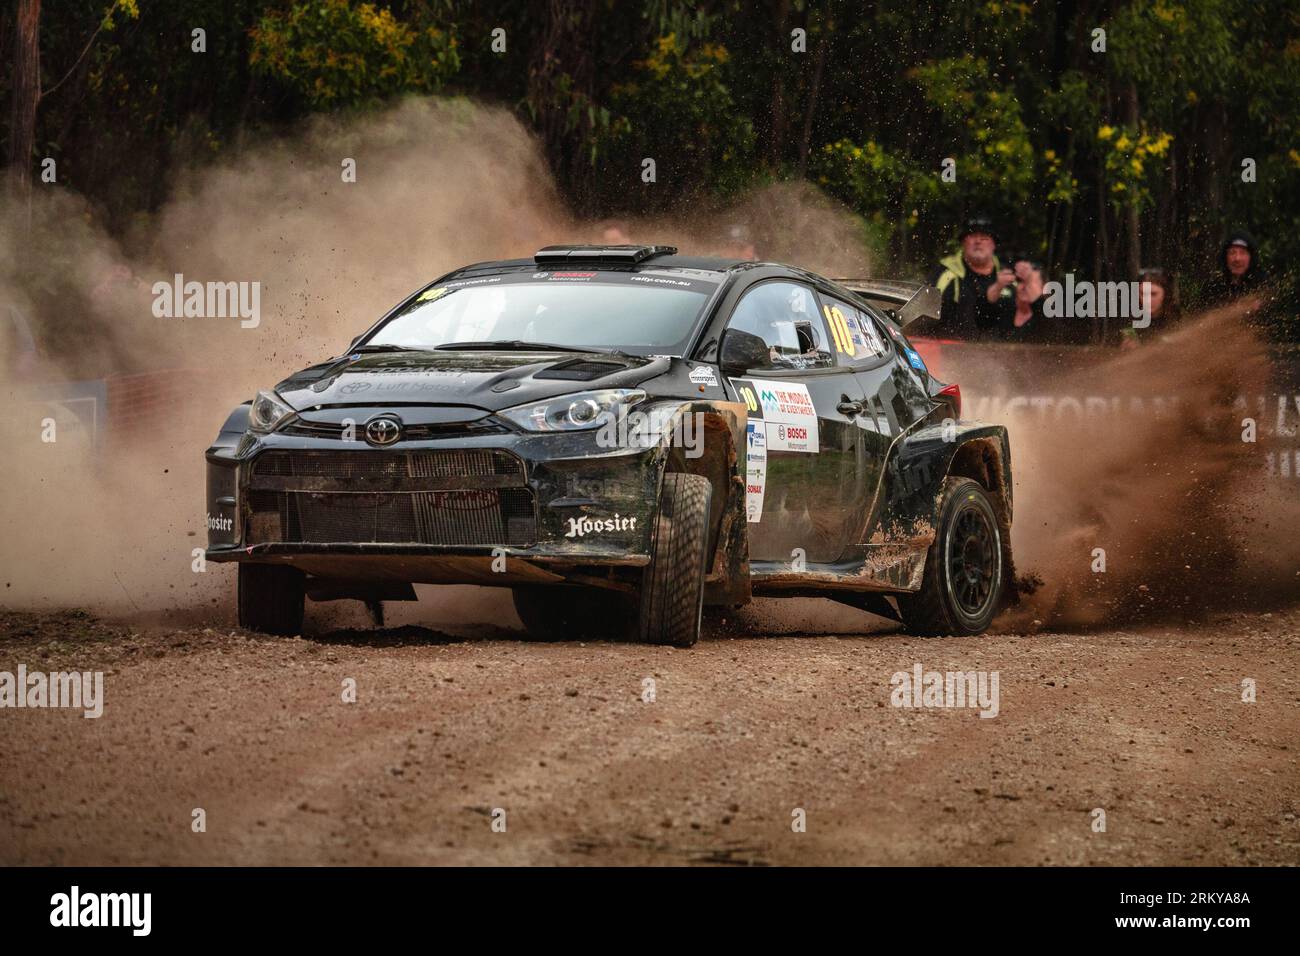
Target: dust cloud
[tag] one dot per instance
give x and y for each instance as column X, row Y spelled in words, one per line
column 1157, row 482
column 439, row 183
column 1176, row 499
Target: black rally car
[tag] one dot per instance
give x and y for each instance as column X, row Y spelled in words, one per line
column 620, row 435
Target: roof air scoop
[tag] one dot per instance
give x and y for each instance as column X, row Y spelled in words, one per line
column 560, row 255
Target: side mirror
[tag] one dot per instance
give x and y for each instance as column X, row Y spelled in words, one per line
column 740, row 351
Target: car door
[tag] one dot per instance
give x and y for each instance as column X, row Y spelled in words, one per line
column 868, row 350
column 805, row 453
column 895, row 388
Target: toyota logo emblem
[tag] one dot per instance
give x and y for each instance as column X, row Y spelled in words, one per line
column 383, row 431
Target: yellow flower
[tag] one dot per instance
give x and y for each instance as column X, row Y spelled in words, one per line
column 1106, row 132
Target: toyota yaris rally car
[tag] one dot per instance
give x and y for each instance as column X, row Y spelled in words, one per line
column 620, row 435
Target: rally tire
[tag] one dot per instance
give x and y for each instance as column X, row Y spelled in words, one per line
column 271, row 598
column 672, row 587
column 557, row 613
column 965, row 569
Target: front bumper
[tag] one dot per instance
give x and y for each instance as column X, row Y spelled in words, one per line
column 330, row 506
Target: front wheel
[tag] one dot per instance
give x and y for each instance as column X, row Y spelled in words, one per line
column 961, row 590
column 672, row 588
column 271, row 598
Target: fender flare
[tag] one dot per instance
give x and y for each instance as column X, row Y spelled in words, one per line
column 919, row 463
column 723, row 461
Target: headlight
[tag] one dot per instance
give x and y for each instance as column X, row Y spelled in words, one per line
column 571, row 413
column 268, row 412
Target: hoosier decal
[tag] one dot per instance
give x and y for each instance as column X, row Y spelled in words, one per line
column 581, row 527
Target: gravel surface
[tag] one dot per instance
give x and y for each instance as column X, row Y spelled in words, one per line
column 451, row 726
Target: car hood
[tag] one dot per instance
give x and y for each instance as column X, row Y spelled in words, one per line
column 486, row 380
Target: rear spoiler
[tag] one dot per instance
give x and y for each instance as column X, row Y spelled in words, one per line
column 918, row 300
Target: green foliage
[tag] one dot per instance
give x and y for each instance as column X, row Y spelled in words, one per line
column 336, row 53
column 1130, row 158
column 1061, row 144
column 984, row 131
column 870, row 180
column 678, row 108
column 1178, row 53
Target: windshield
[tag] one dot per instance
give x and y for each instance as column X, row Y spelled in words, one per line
column 630, row 311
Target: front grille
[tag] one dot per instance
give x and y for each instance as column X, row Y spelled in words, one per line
column 345, row 465
column 467, row 497
column 334, row 431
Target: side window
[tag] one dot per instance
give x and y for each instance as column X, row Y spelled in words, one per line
column 857, row 338
column 784, row 315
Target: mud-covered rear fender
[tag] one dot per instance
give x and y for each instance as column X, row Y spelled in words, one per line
column 915, row 471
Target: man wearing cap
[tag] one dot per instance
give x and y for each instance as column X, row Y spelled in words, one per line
column 969, row 284
column 1239, row 271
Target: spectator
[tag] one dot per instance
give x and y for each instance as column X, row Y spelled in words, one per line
column 1161, row 303
column 1239, row 274
column 739, row 245
column 613, row 232
column 970, row 284
column 1022, row 318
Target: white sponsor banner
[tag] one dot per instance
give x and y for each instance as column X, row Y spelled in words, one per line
column 755, row 469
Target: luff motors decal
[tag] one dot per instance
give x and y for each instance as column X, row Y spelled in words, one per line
column 787, row 410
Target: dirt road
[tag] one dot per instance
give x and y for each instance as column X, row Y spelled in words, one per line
column 1148, row 725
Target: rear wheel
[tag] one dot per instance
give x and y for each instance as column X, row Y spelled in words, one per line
column 271, row 598
column 558, row 613
column 672, row 588
column 962, row 588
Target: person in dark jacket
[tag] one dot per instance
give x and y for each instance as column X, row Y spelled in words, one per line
column 1023, row 319
column 970, row 286
column 1240, row 273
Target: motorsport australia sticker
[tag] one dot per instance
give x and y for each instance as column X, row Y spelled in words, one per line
column 786, row 410
column 704, row 375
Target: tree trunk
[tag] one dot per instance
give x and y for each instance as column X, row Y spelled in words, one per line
column 776, row 148
column 561, row 77
column 27, row 92
column 1134, row 235
column 819, row 67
